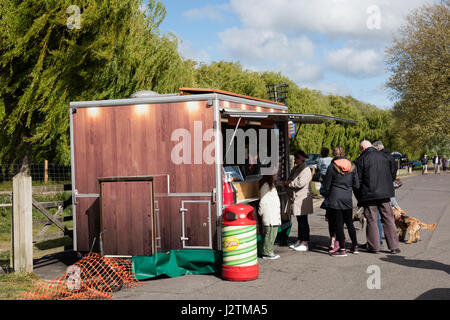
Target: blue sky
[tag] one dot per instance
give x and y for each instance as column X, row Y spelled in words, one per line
column 336, row 46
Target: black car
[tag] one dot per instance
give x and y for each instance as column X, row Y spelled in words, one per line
column 400, row 158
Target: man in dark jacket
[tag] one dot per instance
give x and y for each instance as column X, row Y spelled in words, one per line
column 374, row 193
column 393, row 165
column 437, row 163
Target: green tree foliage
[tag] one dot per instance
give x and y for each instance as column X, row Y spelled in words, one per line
column 374, row 124
column 230, row 76
column 44, row 65
column 118, row 50
column 419, row 60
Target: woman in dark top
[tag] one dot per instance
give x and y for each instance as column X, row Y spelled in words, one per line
column 339, row 182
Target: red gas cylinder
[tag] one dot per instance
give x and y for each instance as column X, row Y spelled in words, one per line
column 239, row 243
column 227, row 191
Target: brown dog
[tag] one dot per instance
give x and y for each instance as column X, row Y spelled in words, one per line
column 409, row 225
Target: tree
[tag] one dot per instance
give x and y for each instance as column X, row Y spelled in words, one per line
column 44, row 65
column 419, row 60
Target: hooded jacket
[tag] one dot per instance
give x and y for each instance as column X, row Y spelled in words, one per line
column 341, row 178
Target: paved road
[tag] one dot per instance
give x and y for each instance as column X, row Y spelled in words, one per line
column 421, row 271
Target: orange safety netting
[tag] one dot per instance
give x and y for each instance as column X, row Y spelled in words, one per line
column 92, row 277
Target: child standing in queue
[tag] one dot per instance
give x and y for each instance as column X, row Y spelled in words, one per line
column 269, row 209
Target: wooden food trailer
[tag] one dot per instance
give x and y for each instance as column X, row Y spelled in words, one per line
column 147, row 172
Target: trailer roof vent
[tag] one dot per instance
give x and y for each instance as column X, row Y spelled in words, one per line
column 144, row 94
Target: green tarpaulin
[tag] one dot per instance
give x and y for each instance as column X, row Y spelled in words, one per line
column 175, row 263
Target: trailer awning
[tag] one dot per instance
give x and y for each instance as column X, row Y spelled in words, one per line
column 308, row 118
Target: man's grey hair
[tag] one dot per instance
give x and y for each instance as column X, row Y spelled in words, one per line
column 378, row 145
column 364, row 145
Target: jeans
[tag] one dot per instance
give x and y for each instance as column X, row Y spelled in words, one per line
column 380, row 228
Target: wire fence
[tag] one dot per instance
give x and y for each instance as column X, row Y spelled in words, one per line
column 39, row 172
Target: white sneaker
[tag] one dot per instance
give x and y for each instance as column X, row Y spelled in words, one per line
column 295, row 244
column 301, row 247
column 272, row 257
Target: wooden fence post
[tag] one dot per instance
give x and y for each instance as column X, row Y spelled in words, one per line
column 22, row 223
column 45, row 171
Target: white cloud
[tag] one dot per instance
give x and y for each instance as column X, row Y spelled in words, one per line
column 210, row 12
column 301, row 72
column 353, row 18
column 327, row 88
column 187, row 51
column 365, row 62
column 249, row 45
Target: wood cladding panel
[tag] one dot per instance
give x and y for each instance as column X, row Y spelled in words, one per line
column 88, row 223
column 118, row 142
column 127, row 217
column 197, row 223
column 137, row 141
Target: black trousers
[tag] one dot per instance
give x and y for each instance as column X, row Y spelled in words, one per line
column 303, row 228
column 338, row 218
column 331, row 223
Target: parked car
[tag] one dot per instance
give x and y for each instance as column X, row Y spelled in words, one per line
column 415, row 163
column 312, row 160
column 400, row 157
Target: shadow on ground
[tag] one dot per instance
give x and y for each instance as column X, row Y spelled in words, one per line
column 415, row 263
column 66, row 257
column 435, row 294
column 317, row 243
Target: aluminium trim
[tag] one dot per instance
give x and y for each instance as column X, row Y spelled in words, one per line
column 251, row 102
column 169, row 99
column 74, row 202
column 87, row 195
column 218, row 153
column 134, row 101
column 191, row 194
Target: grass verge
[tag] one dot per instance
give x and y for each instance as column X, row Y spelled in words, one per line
column 13, row 285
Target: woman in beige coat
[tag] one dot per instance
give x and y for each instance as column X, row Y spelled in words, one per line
column 300, row 198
